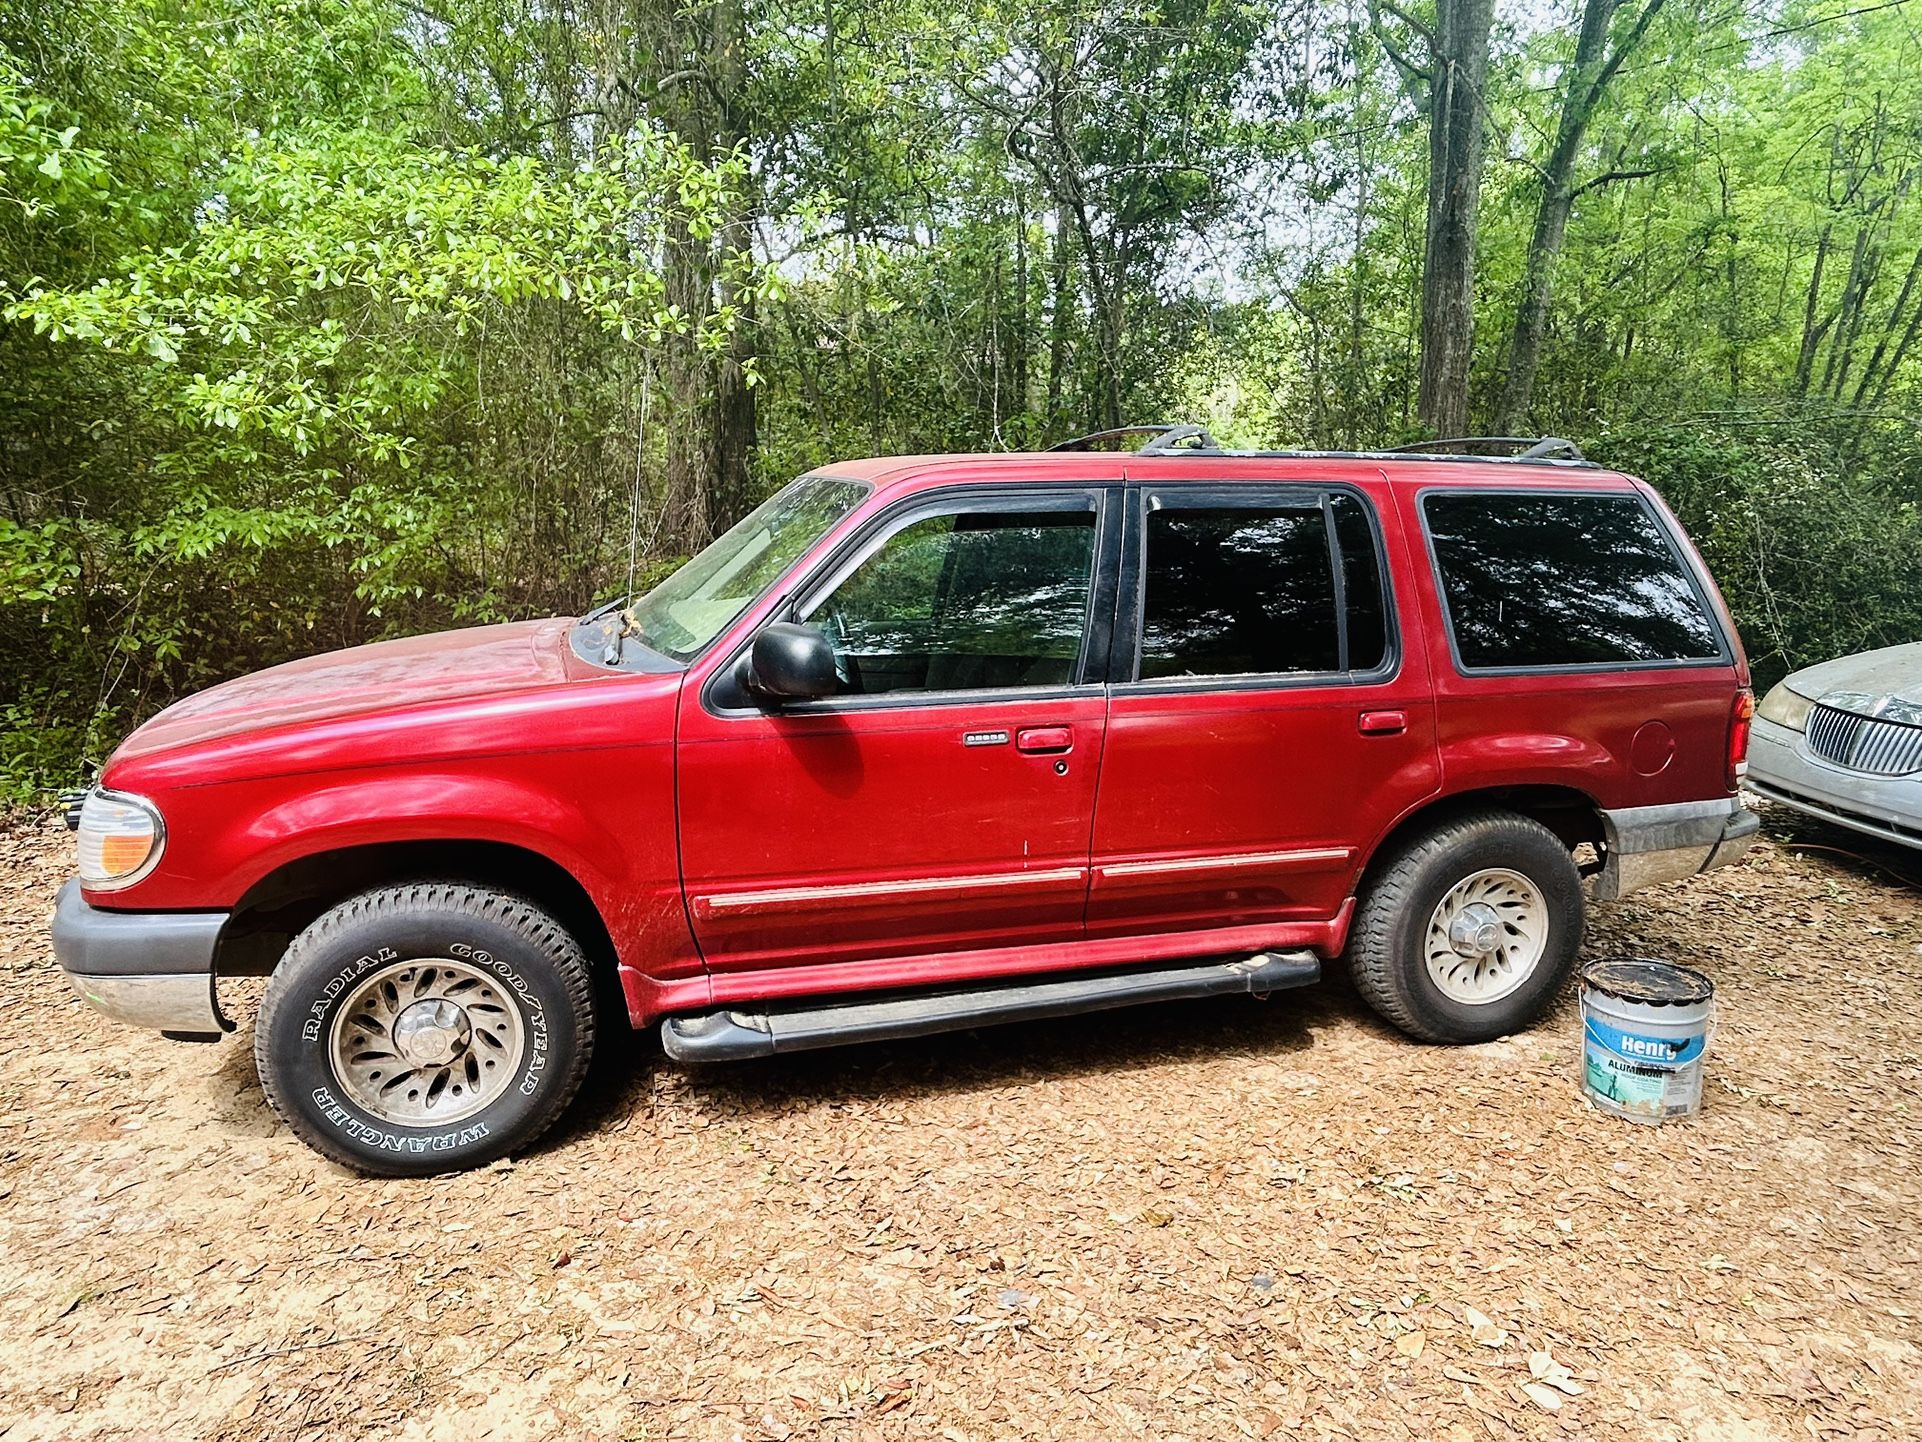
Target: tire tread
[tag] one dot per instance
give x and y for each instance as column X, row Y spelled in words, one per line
column 503, row 908
column 1371, row 949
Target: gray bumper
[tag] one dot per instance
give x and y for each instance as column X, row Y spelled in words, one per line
column 1647, row 845
column 1781, row 769
column 145, row 968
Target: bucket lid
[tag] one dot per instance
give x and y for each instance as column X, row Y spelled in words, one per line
column 1650, row 982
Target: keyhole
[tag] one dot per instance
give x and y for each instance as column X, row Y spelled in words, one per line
column 1061, row 768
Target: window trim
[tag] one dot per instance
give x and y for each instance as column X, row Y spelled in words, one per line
column 724, row 696
column 1226, row 495
column 1725, row 655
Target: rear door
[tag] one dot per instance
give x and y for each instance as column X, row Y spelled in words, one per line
column 1268, row 717
column 942, row 802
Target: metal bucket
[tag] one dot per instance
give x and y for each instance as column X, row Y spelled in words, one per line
column 1645, row 1026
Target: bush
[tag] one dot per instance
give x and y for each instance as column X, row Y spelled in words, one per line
column 1810, row 523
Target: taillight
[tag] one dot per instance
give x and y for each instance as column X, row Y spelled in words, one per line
column 1740, row 716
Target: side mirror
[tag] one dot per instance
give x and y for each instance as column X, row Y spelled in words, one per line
column 792, row 662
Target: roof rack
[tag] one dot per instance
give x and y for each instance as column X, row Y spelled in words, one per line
column 1189, row 440
column 1164, row 439
column 1533, row 448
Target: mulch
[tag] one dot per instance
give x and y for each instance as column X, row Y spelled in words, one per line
column 1202, row 1220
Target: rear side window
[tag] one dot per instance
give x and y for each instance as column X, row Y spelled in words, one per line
column 1558, row 579
column 1247, row 590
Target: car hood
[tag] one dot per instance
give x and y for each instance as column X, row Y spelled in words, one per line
column 444, row 666
column 1887, row 683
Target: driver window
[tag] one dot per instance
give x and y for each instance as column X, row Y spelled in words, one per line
column 967, row 602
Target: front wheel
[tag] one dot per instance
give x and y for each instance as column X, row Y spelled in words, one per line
column 1468, row 930
column 426, row 1028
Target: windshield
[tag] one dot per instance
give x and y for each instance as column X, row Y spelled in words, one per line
column 695, row 604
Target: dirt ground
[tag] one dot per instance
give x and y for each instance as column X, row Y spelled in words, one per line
column 1204, row 1220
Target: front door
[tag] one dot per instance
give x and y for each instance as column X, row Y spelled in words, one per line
column 942, row 801
column 1268, row 717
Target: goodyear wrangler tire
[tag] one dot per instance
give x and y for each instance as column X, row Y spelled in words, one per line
column 426, row 1028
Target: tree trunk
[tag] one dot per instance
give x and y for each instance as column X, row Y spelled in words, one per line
column 698, row 52
column 1901, row 354
column 1455, row 139
column 1057, row 324
column 1812, row 330
column 1531, row 317
column 1873, row 369
column 689, row 522
column 1588, row 78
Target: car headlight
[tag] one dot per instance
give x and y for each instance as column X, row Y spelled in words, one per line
column 1785, row 707
column 120, row 840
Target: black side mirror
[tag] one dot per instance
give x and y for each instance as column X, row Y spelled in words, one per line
column 792, row 662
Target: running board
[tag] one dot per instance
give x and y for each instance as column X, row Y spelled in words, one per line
column 737, row 1033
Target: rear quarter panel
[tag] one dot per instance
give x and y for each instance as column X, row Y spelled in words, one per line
column 1575, row 728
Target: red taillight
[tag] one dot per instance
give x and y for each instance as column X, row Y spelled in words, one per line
column 1740, row 715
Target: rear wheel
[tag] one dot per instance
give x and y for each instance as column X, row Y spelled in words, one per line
column 426, row 1028
column 1468, row 930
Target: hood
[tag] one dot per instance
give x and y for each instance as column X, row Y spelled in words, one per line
column 1887, row 683
column 444, row 666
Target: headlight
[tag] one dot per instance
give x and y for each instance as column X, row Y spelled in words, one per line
column 120, row 840
column 1785, row 707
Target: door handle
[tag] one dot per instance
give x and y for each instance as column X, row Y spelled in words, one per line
column 1042, row 740
column 1383, row 723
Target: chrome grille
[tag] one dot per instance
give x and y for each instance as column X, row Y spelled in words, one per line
column 1865, row 743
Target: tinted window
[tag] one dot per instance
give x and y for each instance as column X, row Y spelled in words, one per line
column 1361, row 584
column 1236, row 592
column 1560, row 580
column 965, row 602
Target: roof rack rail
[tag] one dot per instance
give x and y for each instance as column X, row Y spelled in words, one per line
column 1164, row 439
column 1534, row 448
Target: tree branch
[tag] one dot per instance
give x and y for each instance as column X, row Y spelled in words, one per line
column 1410, row 71
column 1609, row 177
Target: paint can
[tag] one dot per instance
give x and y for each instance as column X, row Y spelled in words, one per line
column 1645, row 1026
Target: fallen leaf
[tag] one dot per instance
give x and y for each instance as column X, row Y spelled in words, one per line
column 1546, row 1398
column 1550, row 1373
column 1483, row 1329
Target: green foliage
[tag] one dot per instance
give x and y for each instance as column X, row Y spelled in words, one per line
column 261, row 424
column 1809, row 521
column 323, row 320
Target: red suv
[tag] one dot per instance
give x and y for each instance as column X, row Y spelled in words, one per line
column 931, row 742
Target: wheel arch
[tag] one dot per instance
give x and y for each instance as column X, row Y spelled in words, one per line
column 1573, row 815
column 284, row 901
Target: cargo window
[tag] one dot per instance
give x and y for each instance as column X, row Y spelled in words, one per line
column 1247, row 590
column 1563, row 579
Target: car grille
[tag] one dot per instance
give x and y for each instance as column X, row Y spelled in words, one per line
column 1865, row 743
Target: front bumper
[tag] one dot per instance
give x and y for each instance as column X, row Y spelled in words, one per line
column 1647, row 845
column 145, row 968
column 1781, row 769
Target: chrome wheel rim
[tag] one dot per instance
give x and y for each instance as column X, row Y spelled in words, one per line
column 426, row 1043
column 1486, row 936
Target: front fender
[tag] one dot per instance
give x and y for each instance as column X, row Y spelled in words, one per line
column 606, row 819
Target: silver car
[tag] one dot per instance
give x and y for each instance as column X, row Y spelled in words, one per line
column 1843, row 741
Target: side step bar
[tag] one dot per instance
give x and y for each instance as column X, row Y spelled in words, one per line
column 735, row 1033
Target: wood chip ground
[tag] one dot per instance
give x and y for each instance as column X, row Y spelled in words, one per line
column 1203, row 1220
